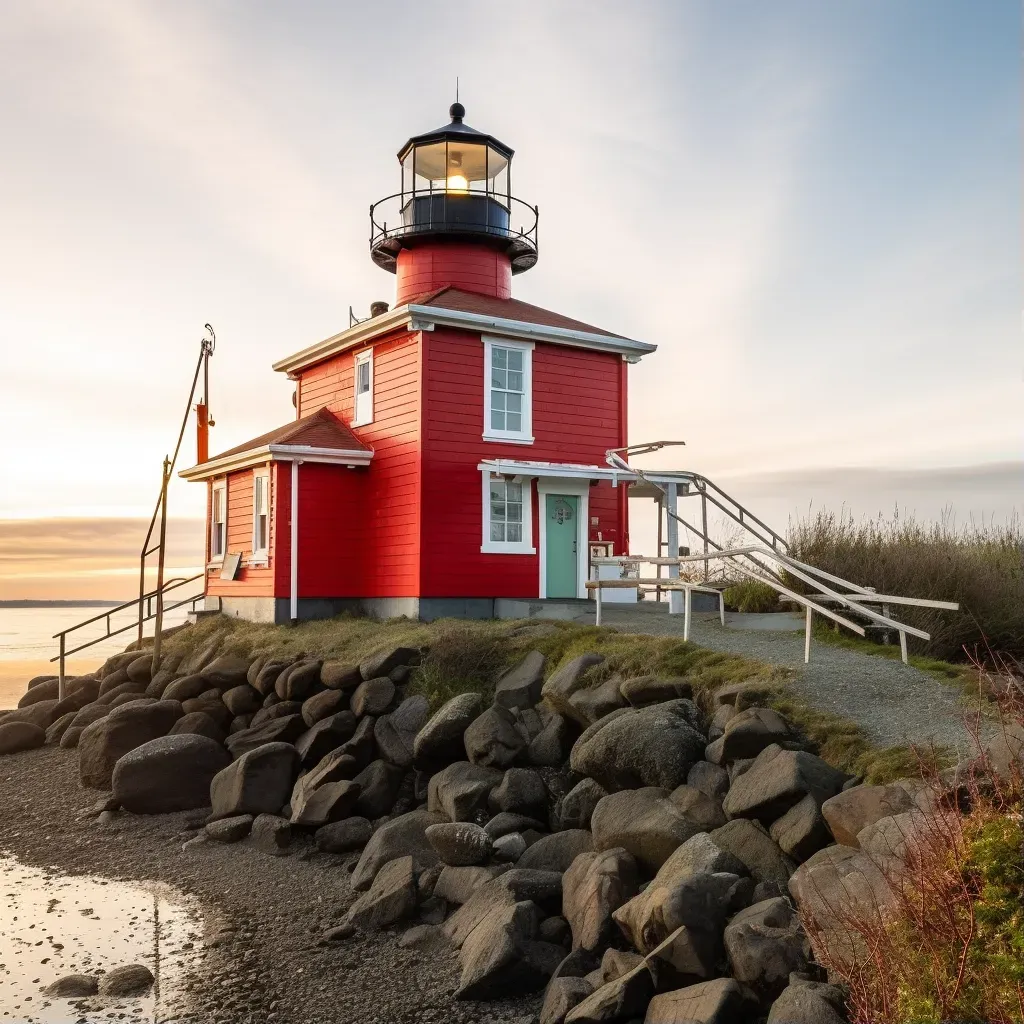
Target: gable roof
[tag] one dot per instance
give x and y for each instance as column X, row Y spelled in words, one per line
column 319, row 437
column 452, row 307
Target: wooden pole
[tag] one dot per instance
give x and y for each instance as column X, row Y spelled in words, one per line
column 807, row 637
column 60, row 679
column 661, row 540
column 903, row 647
column 704, row 527
column 160, row 566
column 687, row 612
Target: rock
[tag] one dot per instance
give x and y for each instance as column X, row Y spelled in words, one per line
column 59, row 727
column 400, row 837
column 520, row 687
column 900, row 836
column 118, row 692
column 72, row 986
column 361, row 746
column 379, row 783
column 540, row 887
column 698, row 855
column 594, row 886
column 778, row 780
column 801, row 831
column 747, row 734
column 343, row 836
column 615, row 963
column 396, row 733
column 131, row 980
column 18, row 736
column 198, row 723
column 461, row 790
column 297, row 682
column 556, row 929
column 710, row 779
column 46, row 688
column 425, row 937
column 229, row 830
column 259, row 782
column 645, row 822
column 114, row 680
column 561, row 995
column 576, row 808
column 506, row 822
column 372, row 697
column 751, row 844
column 440, row 741
column 279, row 709
column 209, row 702
column 848, row 812
column 227, row 671
column 326, row 735
column 557, row 852
column 391, row 897
column 254, row 670
column 492, row 739
column 268, row 676
column 509, row 847
column 521, row 791
column 89, row 714
column 687, row 957
column 318, row 805
column 134, row 699
column 712, row 1002
column 272, row 834
column 549, row 748
column 39, row 714
column 698, row 807
column 720, row 719
column 340, row 675
column 123, row 729
column 456, row 884
column 386, row 659
column 1004, row 753
column 578, row 964
column 459, row 844
column 591, row 704
column 808, row 1002
column 764, row 943
column 653, row 746
column 140, row 669
column 186, row 688
column 566, row 680
column 170, row 773
column 279, row 730
column 623, row 999
column 242, row 700
column 77, row 699
column 646, row 690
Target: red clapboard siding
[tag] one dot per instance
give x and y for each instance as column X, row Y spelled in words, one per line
column 578, row 413
column 252, row 581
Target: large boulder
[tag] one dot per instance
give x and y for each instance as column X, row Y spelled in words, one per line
column 390, row 898
column 521, row 791
column 18, row 736
column 104, row 742
column 590, row 704
column 185, row 688
column 541, row 887
column 46, row 689
column 1005, row 751
column 77, row 699
column 198, row 723
column 372, row 697
column 343, row 836
column 268, row 675
column 298, row 681
column 242, row 700
column 258, row 782
column 701, row 809
column 808, row 1002
column 557, row 851
column 456, row 884
column 801, row 831
column 279, row 709
column 277, row 730
column 326, row 735
column 40, row 714
column 440, row 741
column 461, row 790
column 316, row 805
column 226, row 671
column 576, row 808
column 747, row 734
column 459, row 843
column 749, row 843
column 632, row 747
column 593, row 888
column 564, row 682
column 492, row 739
column 622, row 999
column 687, row 956
column 764, row 944
column 643, row 691
column 379, row 783
column 550, row 747
column 561, row 995
column 852, row 810
column 520, row 687
column 645, row 822
column 170, row 773
column 777, row 781
column 395, row 733
column 721, row 1001
column 386, row 660
column 59, row 727
column 340, row 675
column 402, row 836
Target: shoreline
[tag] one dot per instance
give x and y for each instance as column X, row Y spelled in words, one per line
column 15, row 674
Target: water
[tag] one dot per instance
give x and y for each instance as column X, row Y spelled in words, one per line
column 52, row 925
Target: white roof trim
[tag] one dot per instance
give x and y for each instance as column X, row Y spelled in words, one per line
column 277, row 453
column 418, row 318
column 577, row 471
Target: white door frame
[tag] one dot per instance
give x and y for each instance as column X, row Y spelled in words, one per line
column 580, row 489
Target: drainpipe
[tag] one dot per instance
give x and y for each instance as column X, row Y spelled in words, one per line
column 293, row 611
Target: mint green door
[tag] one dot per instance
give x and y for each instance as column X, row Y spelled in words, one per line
column 562, row 527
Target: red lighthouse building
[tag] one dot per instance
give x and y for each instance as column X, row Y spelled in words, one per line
column 447, row 455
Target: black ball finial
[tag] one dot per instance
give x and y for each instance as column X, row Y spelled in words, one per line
column 458, row 112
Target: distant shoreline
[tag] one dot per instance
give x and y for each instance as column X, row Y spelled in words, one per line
column 59, row 604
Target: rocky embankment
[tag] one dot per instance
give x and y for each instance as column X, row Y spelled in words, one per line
column 633, row 855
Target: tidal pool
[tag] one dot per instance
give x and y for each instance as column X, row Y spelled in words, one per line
column 52, row 925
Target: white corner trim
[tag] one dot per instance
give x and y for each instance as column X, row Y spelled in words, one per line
column 523, row 547
column 580, row 489
column 293, row 559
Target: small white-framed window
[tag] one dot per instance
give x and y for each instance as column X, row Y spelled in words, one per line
column 260, row 514
column 508, row 391
column 218, row 520
column 507, row 516
column 362, row 412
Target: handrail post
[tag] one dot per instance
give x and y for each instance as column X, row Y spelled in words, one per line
column 159, row 625
column 704, row 526
column 60, row 678
column 807, row 637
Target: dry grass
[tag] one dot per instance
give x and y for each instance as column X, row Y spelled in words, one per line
column 981, row 567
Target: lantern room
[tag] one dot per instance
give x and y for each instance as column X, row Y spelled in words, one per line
column 456, row 193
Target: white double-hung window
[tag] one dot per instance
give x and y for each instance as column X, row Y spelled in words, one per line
column 260, row 514
column 362, row 412
column 218, row 519
column 508, row 524
column 508, row 391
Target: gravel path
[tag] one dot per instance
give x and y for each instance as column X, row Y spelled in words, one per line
column 266, row 915
column 894, row 703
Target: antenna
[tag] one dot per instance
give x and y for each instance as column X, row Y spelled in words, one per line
column 456, row 88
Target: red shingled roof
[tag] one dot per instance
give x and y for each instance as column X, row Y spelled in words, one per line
column 319, row 430
column 509, row 309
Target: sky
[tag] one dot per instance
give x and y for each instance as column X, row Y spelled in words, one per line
column 812, row 209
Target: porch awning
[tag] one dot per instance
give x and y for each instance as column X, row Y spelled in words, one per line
column 582, row 471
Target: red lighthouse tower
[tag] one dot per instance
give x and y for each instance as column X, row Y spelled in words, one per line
column 447, row 456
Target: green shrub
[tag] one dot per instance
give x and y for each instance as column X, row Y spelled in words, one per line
column 751, row 596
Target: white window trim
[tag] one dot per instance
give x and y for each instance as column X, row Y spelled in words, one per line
column 366, row 418
column 219, row 487
column 524, row 436
column 581, row 489
column 260, row 556
column 493, row 547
